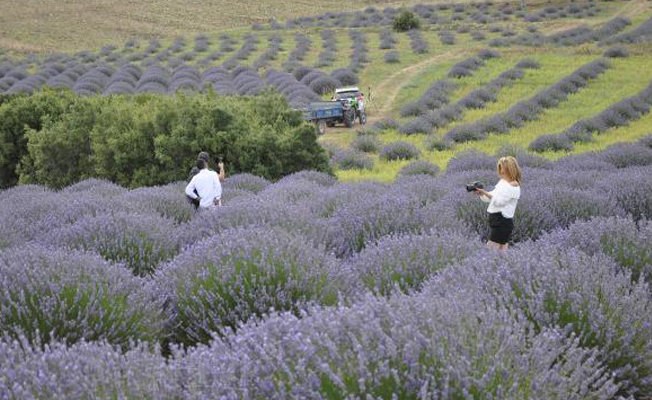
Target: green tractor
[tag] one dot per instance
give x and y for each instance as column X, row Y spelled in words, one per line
column 353, row 100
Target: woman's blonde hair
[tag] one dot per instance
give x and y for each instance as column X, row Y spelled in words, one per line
column 508, row 167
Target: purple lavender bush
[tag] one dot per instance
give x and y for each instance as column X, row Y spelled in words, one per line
column 68, row 296
column 399, row 151
column 404, row 262
column 407, row 346
column 140, row 241
column 584, row 295
column 627, row 243
column 419, row 167
column 237, row 275
column 83, row 370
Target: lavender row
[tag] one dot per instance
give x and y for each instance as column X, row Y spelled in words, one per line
column 303, row 44
column 329, row 53
column 530, row 109
column 438, row 94
column 477, row 99
column 532, row 316
column 616, row 115
column 570, row 37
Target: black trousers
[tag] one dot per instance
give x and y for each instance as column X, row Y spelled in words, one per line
column 501, row 228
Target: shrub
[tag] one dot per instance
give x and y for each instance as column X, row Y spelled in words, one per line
column 616, row 52
column 404, row 262
column 416, row 126
column 470, row 160
column 92, row 140
column 19, row 115
column 419, row 167
column 392, row 57
column 351, row 159
column 583, row 295
column 436, row 143
column 366, row 144
column 406, row 21
column 385, row 124
column 399, row 151
column 463, row 134
column 246, row 182
column 324, row 85
column 624, row 155
column 621, row 239
column 354, row 340
column 345, row 76
column 629, row 189
column 553, row 142
column 160, row 200
column 238, row 275
column 528, row 64
column 53, row 371
column 70, row 296
column 141, row 242
column 646, row 141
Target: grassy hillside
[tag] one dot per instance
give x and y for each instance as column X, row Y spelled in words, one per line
column 187, row 41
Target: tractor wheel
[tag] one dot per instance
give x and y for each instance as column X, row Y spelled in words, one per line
column 349, row 118
column 363, row 118
column 321, row 127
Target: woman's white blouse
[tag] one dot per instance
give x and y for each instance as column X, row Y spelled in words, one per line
column 504, row 199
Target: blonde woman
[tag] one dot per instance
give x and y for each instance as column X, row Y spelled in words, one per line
column 502, row 202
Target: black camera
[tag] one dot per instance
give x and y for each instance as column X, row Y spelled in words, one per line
column 474, row 186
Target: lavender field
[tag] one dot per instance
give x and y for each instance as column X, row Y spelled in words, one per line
column 370, row 279
column 314, row 288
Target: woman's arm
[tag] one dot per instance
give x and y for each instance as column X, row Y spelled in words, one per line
column 484, row 195
column 221, row 174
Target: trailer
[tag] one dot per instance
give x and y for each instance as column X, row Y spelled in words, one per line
column 328, row 113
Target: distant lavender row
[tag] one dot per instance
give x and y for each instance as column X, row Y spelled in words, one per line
column 477, row 99
column 438, row 94
column 530, row 109
column 616, row 115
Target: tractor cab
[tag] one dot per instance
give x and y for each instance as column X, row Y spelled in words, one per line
column 352, row 99
column 351, row 96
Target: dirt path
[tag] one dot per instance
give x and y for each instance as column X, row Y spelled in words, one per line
column 387, row 90
column 632, row 8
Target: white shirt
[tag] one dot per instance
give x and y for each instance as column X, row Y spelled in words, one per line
column 504, row 199
column 207, row 184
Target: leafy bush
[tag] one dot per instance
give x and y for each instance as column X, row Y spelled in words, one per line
column 399, row 151
column 150, row 139
column 406, row 21
column 19, row 115
column 70, row 296
column 242, row 274
column 419, row 167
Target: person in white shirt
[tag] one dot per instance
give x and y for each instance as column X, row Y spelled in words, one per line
column 206, row 186
column 502, row 202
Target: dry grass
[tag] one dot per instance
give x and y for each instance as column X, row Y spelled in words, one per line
column 74, row 25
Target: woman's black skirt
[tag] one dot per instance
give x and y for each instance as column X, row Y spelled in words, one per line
column 501, row 228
